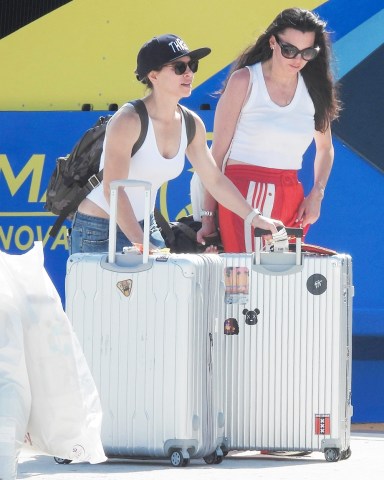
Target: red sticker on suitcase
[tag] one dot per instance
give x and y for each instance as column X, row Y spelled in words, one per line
column 322, row 424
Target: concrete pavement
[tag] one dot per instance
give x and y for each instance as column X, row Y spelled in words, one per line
column 366, row 462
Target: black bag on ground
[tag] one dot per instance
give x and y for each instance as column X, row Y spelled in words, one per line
column 180, row 236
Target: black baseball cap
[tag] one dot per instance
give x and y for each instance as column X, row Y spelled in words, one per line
column 164, row 49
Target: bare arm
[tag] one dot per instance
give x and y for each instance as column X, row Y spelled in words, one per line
column 227, row 113
column 218, row 185
column 226, row 116
column 118, row 150
column 309, row 210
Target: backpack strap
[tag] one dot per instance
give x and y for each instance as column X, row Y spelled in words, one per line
column 141, row 110
column 166, row 229
column 190, row 123
column 95, row 180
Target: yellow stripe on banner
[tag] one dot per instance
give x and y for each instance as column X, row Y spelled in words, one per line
column 27, row 214
column 85, row 51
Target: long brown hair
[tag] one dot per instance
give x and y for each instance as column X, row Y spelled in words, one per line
column 316, row 73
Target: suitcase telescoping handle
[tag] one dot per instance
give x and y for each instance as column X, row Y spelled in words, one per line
column 294, row 232
column 113, row 215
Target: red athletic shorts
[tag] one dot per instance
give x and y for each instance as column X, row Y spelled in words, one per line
column 276, row 193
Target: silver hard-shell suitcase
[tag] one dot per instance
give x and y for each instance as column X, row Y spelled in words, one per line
column 147, row 327
column 287, row 352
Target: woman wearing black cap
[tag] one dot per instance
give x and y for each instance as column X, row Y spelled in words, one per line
column 166, row 66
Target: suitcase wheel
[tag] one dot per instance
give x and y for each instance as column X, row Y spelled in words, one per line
column 346, row 454
column 213, row 458
column 332, row 454
column 62, row 461
column 224, row 450
column 178, row 459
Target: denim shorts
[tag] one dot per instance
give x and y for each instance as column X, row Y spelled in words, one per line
column 90, row 235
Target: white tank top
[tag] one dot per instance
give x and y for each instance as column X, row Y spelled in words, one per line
column 272, row 136
column 149, row 165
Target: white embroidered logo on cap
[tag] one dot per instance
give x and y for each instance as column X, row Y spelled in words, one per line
column 178, row 45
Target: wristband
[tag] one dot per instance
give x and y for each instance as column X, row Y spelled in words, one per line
column 251, row 215
column 207, row 213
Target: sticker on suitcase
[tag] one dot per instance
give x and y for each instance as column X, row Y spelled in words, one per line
column 317, row 284
column 236, row 284
column 231, row 326
column 322, row 424
column 125, row 286
column 251, row 316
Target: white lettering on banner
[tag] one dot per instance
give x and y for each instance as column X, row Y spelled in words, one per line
column 178, row 46
column 24, row 237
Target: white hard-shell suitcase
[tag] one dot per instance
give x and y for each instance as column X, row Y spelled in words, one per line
column 147, row 327
column 287, row 352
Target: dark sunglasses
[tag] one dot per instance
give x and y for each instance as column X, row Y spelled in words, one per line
column 289, row 51
column 181, row 67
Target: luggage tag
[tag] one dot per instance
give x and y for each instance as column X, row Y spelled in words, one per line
column 280, row 241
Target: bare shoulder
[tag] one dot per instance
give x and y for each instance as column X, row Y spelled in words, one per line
column 125, row 119
column 196, row 117
column 198, row 121
column 239, row 80
column 200, row 126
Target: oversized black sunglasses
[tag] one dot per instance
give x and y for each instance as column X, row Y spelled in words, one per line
column 181, row 67
column 290, row 51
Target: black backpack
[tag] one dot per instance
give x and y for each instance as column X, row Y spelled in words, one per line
column 77, row 174
column 180, row 236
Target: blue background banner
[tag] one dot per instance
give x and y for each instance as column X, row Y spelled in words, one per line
column 42, row 120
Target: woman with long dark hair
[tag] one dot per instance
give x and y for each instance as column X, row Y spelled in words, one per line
column 278, row 98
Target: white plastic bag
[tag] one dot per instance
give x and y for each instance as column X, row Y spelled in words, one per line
column 15, row 396
column 65, row 419
column 197, row 196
